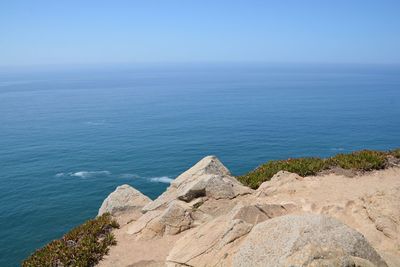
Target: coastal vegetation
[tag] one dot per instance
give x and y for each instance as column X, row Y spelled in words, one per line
column 396, row 153
column 84, row 245
column 365, row 160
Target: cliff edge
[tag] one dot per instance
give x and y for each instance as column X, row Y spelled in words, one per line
column 207, row 218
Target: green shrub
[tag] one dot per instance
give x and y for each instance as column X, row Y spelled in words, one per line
column 301, row 166
column 365, row 160
column 83, row 246
column 395, row 153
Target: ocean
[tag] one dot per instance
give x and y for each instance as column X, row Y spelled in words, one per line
column 70, row 135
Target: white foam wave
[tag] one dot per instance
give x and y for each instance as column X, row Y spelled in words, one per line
column 83, row 174
column 87, row 174
column 162, row 179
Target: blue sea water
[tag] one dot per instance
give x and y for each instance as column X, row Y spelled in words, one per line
column 69, row 136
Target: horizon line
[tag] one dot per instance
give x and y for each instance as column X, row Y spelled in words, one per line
column 194, row 62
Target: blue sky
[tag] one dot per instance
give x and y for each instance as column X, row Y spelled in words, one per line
column 91, row 32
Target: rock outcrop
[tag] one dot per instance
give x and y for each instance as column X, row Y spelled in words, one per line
column 305, row 240
column 179, row 207
column 208, row 178
column 207, row 218
column 124, row 197
column 215, row 242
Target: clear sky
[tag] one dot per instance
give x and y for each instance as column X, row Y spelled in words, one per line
column 91, row 32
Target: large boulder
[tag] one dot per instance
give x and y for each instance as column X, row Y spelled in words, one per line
column 305, row 240
column 207, row 178
column 125, row 197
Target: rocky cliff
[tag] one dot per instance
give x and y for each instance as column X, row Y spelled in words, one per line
column 207, row 218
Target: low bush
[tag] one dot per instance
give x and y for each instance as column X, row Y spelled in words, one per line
column 301, row 166
column 83, row 246
column 395, row 153
column 365, row 160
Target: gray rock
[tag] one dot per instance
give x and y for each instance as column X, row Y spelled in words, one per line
column 212, row 186
column 124, row 197
column 305, row 240
column 207, row 165
column 194, row 190
column 209, row 177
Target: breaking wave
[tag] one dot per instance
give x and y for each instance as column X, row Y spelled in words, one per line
column 84, row 174
column 162, row 179
column 89, row 174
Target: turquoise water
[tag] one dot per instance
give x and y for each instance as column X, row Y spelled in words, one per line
column 69, row 136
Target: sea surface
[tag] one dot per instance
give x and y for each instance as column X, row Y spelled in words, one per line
column 70, row 135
